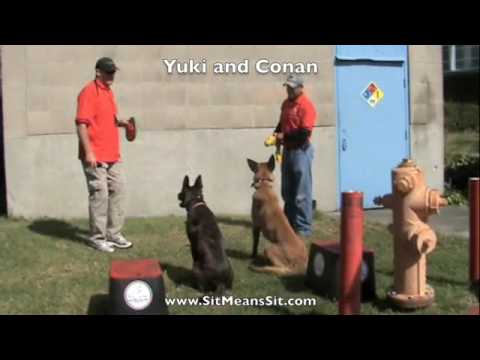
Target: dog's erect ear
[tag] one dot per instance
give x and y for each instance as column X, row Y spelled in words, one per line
column 253, row 165
column 271, row 163
column 186, row 182
column 198, row 182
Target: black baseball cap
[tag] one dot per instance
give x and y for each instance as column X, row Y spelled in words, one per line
column 107, row 65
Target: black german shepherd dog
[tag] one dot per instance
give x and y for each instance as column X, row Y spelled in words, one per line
column 211, row 267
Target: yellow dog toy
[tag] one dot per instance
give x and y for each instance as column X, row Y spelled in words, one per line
column 272, row 141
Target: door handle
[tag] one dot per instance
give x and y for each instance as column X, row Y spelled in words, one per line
column 344, row 144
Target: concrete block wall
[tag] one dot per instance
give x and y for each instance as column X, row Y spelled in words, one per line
column 426, row 111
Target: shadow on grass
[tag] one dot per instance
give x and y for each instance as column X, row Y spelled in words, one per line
column 59, row 229
column 295, row 283
column 382, row 304
column 229, row 221
column 236, row 254
column 180, row 275
column 475, row 289
column 99, row 305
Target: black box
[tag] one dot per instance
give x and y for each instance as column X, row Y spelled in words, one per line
column 137, row 288
column 323, row 272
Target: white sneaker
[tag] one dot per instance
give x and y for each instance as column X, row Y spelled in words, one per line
column 120, row 242
column 101, row 245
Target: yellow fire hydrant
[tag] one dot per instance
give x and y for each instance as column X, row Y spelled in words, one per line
column 412, row 203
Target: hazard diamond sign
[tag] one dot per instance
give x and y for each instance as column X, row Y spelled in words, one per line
column 373, row 95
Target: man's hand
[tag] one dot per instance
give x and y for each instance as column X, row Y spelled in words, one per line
column 91, row 160
column 279, row 137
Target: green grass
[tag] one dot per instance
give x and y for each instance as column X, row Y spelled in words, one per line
column 461, row 143
column 461, row 150
column 46, row 269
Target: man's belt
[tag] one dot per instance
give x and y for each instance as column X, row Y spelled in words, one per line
column 293, row 145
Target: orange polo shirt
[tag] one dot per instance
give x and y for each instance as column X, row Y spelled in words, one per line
column 297, row 114
column 97, row 109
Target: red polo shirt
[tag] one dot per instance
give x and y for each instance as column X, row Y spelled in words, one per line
column 296, row 114
column 97, row 109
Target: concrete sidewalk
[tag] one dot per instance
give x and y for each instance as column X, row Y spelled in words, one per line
column 452, row 220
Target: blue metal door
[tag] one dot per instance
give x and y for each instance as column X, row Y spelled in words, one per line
column 372, row 117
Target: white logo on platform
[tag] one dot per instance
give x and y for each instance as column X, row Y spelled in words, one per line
column 319, row 264
column 138, row 295
column 364, row 272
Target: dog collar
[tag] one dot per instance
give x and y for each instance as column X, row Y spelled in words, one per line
column 201, row 203
column 197, row 205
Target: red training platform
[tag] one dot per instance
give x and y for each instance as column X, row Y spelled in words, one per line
column 137, row 288
column 134, row 269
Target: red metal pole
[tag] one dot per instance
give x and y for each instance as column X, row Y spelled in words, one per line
column 351, row 243
column 474, row 197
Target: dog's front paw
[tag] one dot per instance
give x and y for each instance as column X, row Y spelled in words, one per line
column 253, row 267
column 257, row 266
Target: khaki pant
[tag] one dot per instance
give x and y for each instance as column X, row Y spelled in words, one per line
column 106, row 200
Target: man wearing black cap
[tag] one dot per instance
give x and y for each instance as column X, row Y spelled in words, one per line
column 297, row 120
column 99, row 150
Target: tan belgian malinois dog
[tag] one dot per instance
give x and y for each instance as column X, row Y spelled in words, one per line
column 287, row 254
